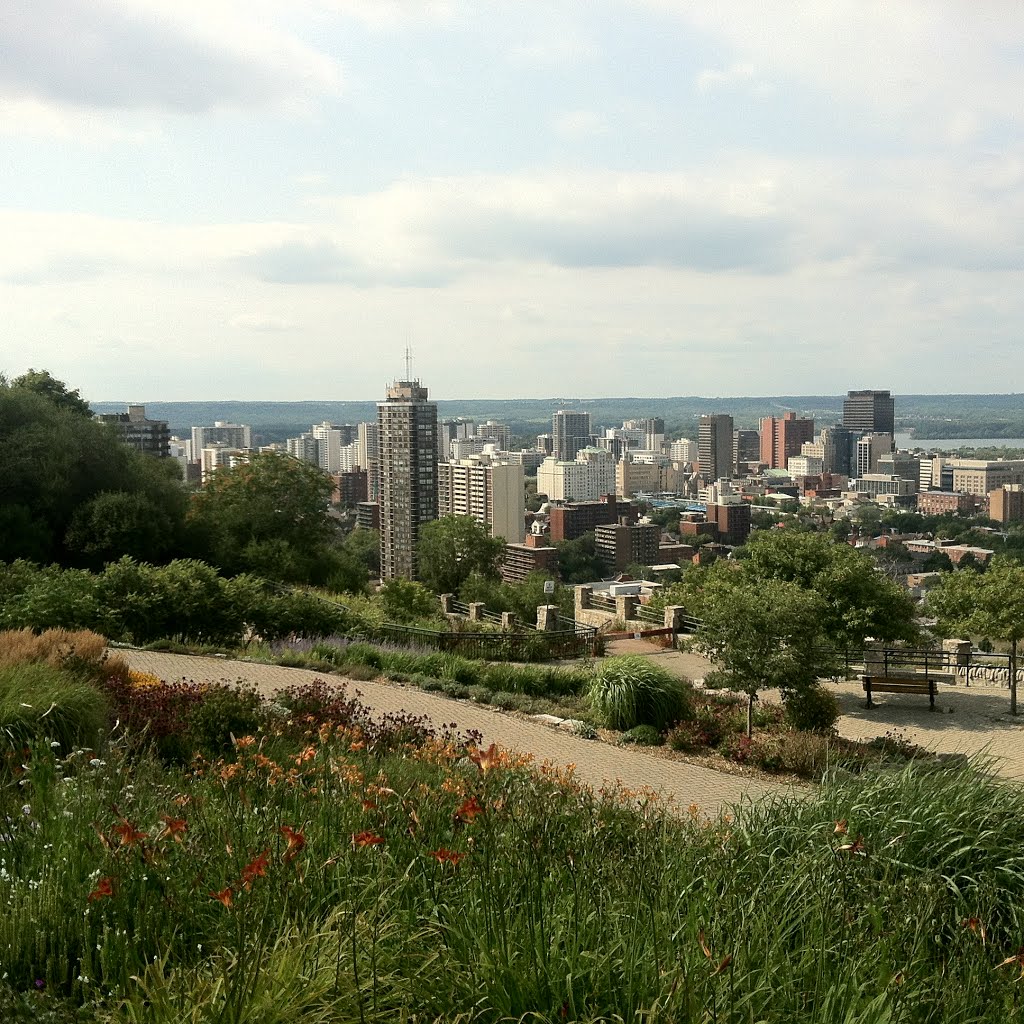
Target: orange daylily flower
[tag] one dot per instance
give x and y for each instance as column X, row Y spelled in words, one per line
column 707, row 952
column 173, row 827
column 129, row 834
column 256, row 868
column 357, row 745
column 470, row 809
column 841, row 828
column 1017, row 960
column 369, row 805
column 485, row 760
column 296, row 841
column 244, row 742
column 224, row 896
column 974, row 924
column 104, row 887
column 446, row 856
column 361, row 839
column 854, row 849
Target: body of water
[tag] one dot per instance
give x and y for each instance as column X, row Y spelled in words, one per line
column 908, row 441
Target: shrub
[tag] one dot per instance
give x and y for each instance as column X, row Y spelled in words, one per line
column 813, row 709
column 480, row 694
column 629, row 690
column 224, row 711
column 507, row 701
column 643, row 736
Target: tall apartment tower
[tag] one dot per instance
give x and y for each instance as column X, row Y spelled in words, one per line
column 714, row 447
column 781, row 438
column 870, row 412
column 570, row 431
column 407, row 467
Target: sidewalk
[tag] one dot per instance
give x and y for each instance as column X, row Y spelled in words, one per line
column 596, row 763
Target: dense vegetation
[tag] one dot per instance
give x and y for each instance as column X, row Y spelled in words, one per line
column 313, row 865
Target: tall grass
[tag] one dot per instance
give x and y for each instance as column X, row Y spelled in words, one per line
column 429, row 885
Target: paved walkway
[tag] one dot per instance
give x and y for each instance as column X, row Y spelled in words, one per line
column 596, row 763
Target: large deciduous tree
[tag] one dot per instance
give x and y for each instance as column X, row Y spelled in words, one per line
column 40, row 382
column 269, row 516
column 452, row 548
column 988, row 604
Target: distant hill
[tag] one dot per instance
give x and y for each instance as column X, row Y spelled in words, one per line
column 926, row 415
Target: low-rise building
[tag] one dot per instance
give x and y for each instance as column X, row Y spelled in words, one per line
column 152, row 437
column 535, row 554
column 620, row 545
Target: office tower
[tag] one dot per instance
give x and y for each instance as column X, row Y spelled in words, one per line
column 652, row 429
column 714, row 447
column 570, row 431
column 839, row 455
column 746, row 448
column 869, row 449
column 870, row 412
column 407, row 454
column 781, row 438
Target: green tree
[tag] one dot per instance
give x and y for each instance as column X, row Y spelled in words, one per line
column 764, row 633
column 407, row 601
column 364, row 546
column 989, row 604
column 858, row 601
column 452, row 548
column 578, row 561
column 117, row 523
column 268, row 516
column 40, row 382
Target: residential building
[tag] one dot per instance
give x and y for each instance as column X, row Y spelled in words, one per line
column 330, row 440
column 651, row 431
column 498, row 433
column 714, row 447
column 152, row 437
column 570, row 520
column 591, row 475
column 781, row 438
column 233, row 435
column 870, row 412
column 659, row 476
column 938, row 503
column 448, row 431
column 407, row 452
column 367, row 448
column 619, row 545
column 570, row 433
column 492, row 493
column 219, row 456
column 682, row 450
column 731, row 521
column 368, row 515
column 305, row 447
column 533, row 555
column 1006, row 503
column 350, row 487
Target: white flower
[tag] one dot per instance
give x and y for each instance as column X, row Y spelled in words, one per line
column 54, row 744
column 95, row 763
column 26, row 809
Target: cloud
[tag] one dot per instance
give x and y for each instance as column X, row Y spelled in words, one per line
column 711, row 79
column 262, row 323
column 152, row 55
column 579, row 124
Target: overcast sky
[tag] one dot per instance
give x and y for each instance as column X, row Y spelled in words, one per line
column 270, row 199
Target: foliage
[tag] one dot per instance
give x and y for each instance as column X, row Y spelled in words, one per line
column 629, row 690
column 40, row 382
column 322, row 874
column 453, row 548
column 811, row 709
column 406, row 600
column 990, row 604
column 643, row 736
column 363, row 547
column 59, row 473
column 223, row 714
column 578, row 561
column 521, row 599
column 268, row 516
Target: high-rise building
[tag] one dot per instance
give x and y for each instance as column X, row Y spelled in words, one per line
column 714, row 447
column 781, row 438
column 869, row 449
column 839, row 452
column 367, row 458
column 133, row 429
column 870, row 412
column 330, row 440
column 586, row 478
column 570, row 431
column 234, row 435
column 407, row 453
column 492, row 493
column 682, row 450
column 746, row 448
column 305, row 447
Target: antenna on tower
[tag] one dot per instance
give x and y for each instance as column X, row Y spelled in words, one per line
column 408, row 363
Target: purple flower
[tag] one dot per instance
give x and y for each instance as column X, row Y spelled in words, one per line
column 40, row 983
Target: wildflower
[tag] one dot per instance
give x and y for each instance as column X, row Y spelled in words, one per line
column 369, row 805
column 854, row 849
column 485, row 760
column 470, row 809
column 357, row 745
column 95, row 762
column 974, row 924
column 104, row 887
column 707, row 952
column 26, row 809
column 129, row 834
column 841, row 828
column 39, row 983
column 224, row 896
column 296, row 842
column 173, row 827
column 244, row 742
column 361, row 839
column 446, row 856
column 256, row 868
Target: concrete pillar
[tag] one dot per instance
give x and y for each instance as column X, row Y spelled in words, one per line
column 959, row 651
column 508, row 620
column 476, row 611
column 674, row 618
column 447, row 604
column 547, row 617
column 626, row 606
column 582, row 599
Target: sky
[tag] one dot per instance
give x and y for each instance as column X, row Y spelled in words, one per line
column 273, row 199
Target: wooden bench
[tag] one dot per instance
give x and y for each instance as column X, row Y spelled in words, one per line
column 901, row 684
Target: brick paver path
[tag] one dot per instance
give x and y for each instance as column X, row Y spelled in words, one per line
column 596, row 763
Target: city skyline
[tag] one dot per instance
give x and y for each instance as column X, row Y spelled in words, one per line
column 271, row 201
